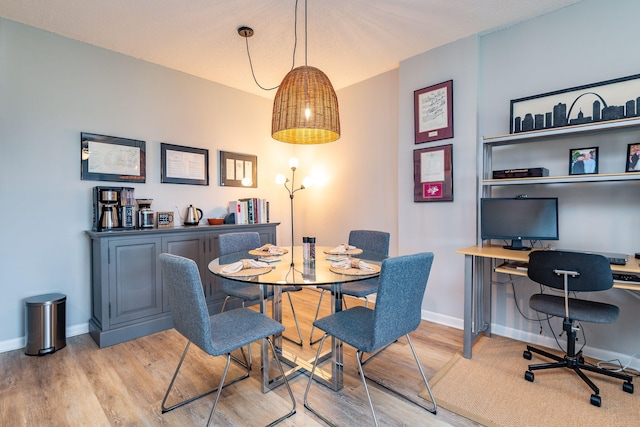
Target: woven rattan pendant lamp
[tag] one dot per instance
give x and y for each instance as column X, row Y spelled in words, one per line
column 305, row 108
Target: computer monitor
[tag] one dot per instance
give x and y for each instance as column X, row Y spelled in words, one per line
column 518, row 219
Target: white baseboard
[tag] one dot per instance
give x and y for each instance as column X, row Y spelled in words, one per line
column 18, row 343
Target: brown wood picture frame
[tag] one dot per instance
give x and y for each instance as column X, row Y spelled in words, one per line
column 433, row 112
column 433, row 174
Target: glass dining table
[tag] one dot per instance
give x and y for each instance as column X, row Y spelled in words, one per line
column 291, row 269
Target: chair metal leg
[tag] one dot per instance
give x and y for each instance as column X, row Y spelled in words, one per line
column 226, row 369
column 295, row 319
column 311, row 341
column 184, row 402
column 313, row 370
column 434, row 407
column 364, row 377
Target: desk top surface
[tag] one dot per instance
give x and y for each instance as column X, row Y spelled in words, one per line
column 492, row 251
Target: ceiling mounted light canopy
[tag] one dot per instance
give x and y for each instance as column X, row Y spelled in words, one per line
column 305, row 108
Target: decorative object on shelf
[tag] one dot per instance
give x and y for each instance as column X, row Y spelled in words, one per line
column 238, row 170
column 598, row 102
column 633, row 158
column 433, row 174
column 110, row 158
column 306, row 183
column 583, row 161
column 184, row 165
column 305, row 108
column 433, row 112
column 165, row 219
column 520, row 173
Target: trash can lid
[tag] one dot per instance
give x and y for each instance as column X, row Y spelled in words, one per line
column 46, row 299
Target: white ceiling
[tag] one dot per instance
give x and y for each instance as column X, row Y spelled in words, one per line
column 350, row 40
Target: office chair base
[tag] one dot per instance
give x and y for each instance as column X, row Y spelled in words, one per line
column 575, row 363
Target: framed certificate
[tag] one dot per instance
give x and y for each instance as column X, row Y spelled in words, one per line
column 433, row 174
column 184, row 165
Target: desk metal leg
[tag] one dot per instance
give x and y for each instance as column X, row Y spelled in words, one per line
column 477, row 302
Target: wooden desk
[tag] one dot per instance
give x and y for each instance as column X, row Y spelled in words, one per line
column 479, row 265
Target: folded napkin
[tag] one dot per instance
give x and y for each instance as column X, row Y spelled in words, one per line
column 243, row 264
column 353, row 263
column 342, row 248
column 272, row 249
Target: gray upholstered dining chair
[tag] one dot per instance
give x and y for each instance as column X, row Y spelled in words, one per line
column 215, row 335
column 397, row 312
column 572, row 272
column 229, row 243
column 367, row 240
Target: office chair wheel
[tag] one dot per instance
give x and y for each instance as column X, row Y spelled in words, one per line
column 526, row 354
column 529, row 376
column 595, row 400
column 628, row 387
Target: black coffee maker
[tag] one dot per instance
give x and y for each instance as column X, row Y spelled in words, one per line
column 113, row 208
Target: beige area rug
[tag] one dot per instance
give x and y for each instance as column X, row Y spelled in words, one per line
column 490, row 389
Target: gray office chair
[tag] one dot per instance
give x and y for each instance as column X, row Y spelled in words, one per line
column 215, row 335
column 397, row 312
column 572, row 272
column 367, row 240
column 244, row 241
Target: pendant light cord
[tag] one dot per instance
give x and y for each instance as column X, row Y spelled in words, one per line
column 295, row 45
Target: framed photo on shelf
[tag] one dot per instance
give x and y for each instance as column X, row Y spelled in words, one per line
column 633, row 158
column 110, row 158
column 583, row 161
column 433, row 112
column 238, row 170
column 433, row 174
column 184, row 165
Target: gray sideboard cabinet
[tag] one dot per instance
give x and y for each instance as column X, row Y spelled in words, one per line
column 128, row 299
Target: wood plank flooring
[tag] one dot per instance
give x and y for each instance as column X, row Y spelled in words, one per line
column 123, row 385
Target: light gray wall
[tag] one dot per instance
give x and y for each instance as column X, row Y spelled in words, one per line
column 51, row 89
column 585, row 43
column 441, row 227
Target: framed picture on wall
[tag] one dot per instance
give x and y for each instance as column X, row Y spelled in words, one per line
column 633, row 158
column 238, row 170
column 433, row 112
column 433, row 174
column 184, row 165
column 110, row 158
column 583, row 161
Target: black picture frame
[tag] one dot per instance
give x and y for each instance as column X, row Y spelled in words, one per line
column 433, row 112
column 234, row 167
column 433, row 174
column 583, row 161
column 633, row 158
column 111, row 158
column 614, row 99
column 184, row 165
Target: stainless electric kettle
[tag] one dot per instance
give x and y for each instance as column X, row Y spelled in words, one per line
column 193, row 217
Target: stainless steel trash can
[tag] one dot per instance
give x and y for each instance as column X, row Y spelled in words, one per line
column 45, row 324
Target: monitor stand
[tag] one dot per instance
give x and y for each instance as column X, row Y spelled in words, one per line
column 516, row 245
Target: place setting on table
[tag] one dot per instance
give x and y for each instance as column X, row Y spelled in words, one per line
column 339, row 260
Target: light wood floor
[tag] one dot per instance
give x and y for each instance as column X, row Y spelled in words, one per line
column 123, row 385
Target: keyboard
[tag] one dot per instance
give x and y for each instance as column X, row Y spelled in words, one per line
column 626, row 277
